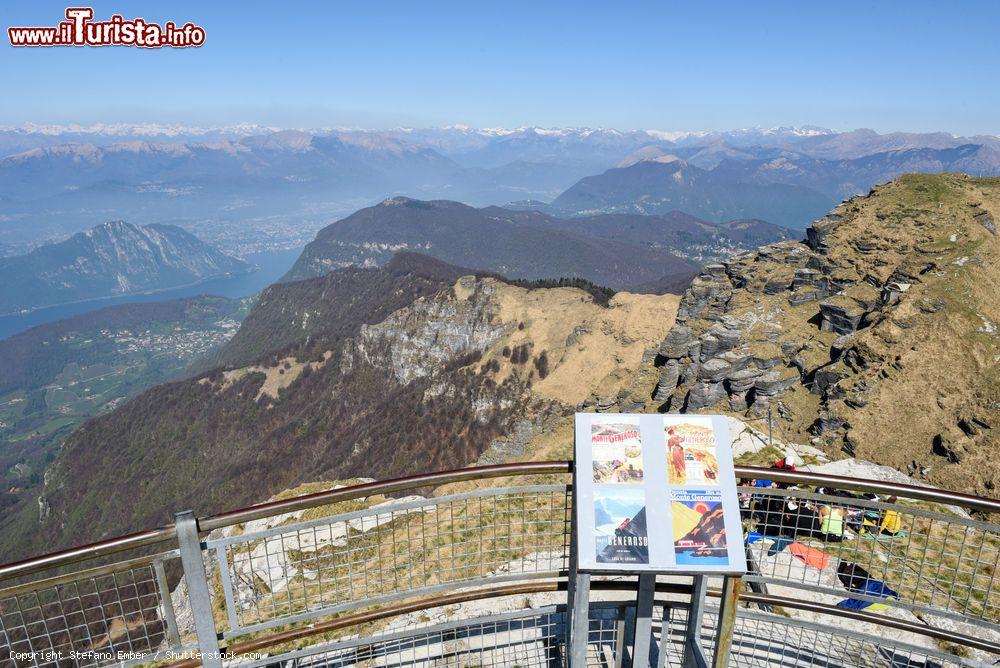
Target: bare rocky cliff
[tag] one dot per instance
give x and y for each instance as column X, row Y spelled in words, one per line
column 876, row 337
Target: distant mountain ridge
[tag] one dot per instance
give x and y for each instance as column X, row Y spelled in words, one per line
column 53, row 178
column 655, row 186
column 114, row 258
column 617, row 252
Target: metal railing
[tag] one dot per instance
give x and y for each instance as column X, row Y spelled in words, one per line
column 298, row 561
column 534, row 636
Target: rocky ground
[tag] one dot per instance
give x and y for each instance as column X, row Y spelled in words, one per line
column 876, row 337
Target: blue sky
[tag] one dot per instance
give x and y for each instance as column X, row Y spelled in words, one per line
column 914, row 66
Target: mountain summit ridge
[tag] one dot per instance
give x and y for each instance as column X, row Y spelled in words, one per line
column 114, row 258
column 876, row 337
column 630, row 252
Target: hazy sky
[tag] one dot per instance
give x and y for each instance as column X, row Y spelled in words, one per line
column 665, row 65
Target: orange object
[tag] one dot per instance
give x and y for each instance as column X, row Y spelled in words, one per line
column 810, row 555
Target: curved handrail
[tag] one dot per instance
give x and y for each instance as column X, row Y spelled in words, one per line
column 74, row 555
column 165, row 533
column 455, row 598
column 932, row 494
column 314, row 500
column 241, row 515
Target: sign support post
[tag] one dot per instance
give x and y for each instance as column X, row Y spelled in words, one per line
column 654, row 494
column 731, row 589
column 644, row 621
column 579, row 621
column 577, row 594
column 694, row 654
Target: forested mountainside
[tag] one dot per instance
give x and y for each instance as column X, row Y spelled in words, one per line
column 489, row 239
column 59, row 374
column 111, row 259
column 413, row 366
column 877, row 337
column 687, row 236
column 619, row 251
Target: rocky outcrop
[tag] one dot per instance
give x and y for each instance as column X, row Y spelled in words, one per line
column 888, row 302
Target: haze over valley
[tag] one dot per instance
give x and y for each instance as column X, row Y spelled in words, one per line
column 250, row 188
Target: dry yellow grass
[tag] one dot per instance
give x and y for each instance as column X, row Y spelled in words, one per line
column 586, row 344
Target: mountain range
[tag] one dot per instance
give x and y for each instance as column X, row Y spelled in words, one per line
column 667, row 183
column 229, row 183
column 111, row 259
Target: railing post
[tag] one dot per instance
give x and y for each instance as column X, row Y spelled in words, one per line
column 197, row 588
column 169, row 617
column 732, row 587
column 643, row 629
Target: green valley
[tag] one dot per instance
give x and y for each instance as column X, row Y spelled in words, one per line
column 60, row 374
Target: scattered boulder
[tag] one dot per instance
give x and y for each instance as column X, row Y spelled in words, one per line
column 944, row 446
column 826, row 379
column 817, row 233
column 984, row 218
column 775, row 381
column 827, row 424
column 714, row 370
column 804, row 294
column 767, row 355
column 742, row 380
column 840, row 314
column 807, row 276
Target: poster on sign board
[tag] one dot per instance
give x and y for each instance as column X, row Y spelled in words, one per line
column 656, row 493
column 616, row 450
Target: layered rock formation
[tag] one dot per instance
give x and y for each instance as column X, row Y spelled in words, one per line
column 875, row 336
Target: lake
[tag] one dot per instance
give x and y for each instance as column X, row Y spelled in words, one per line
column 272, row 265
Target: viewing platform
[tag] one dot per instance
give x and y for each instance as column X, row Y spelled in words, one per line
column 471, row 567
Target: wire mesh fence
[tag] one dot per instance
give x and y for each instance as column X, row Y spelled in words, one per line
column 536, row 639
column 763, row 640
column 856, row 552
column 312, row 567
column 120, row 613
column 871, row 554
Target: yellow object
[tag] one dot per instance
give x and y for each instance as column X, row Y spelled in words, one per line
column 892, row 523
